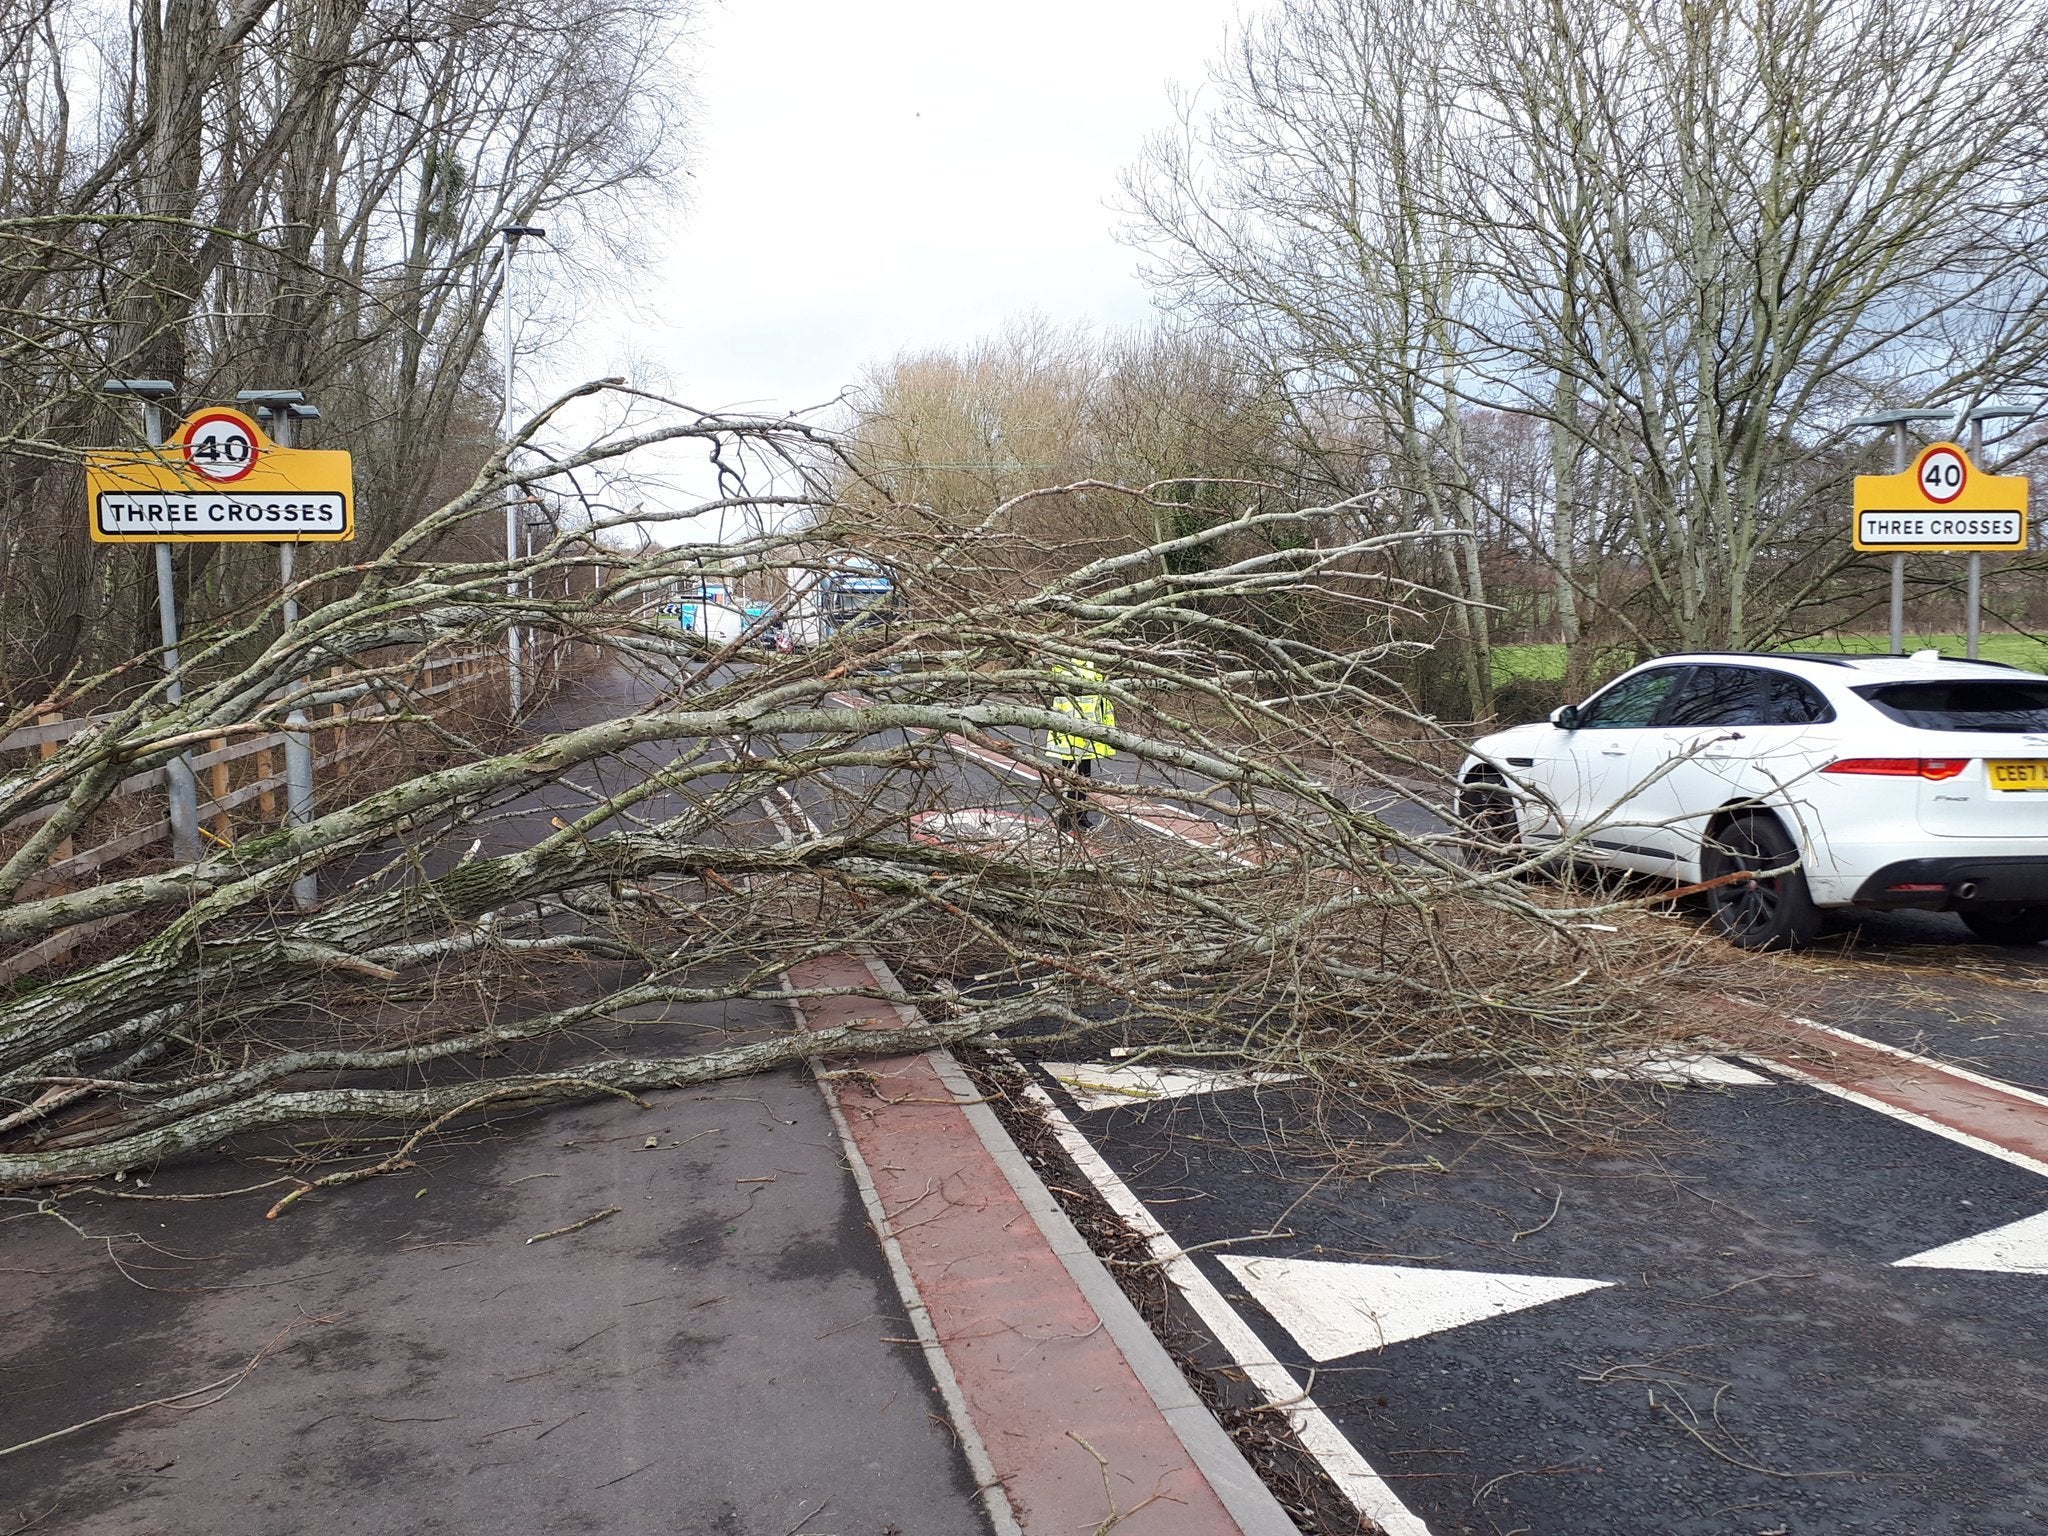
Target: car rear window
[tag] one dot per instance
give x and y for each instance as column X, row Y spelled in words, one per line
column 1991, row 705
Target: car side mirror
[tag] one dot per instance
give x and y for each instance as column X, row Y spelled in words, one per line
column 1565, row 717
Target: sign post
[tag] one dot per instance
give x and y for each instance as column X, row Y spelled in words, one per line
column 282, row 408
column 1973, row 606
column 1898, row 421
column 181, row 785
column 1940, row 504
column 219, row 480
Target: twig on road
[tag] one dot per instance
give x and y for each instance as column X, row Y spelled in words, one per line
column 576, row 1226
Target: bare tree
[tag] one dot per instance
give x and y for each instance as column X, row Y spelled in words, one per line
column 1692, row 243
column 258, row 195
column 752, row 813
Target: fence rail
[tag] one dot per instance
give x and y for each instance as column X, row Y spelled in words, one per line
column 221, row 796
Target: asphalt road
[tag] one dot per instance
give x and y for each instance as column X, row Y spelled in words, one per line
column 1702, row 1325
column 1739, row 1354
column 724, row 1352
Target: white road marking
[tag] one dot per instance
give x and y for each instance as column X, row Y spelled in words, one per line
column 2017, row 1248
column 1337, row 1309
column 1369, row 1493
column 1679, row 1070
column 1100, row 1087
column 1906, row 1116
column 985, row 825
column 1935, row 1063
column 1131, row 810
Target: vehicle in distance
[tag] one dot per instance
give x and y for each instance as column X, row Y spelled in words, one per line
column 1796, row 783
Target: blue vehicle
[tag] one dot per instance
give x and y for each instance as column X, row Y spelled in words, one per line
column 856, row 593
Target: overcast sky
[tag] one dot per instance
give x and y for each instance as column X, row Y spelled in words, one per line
column 884, row 175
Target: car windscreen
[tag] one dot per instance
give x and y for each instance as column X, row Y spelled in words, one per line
column 1994, row 704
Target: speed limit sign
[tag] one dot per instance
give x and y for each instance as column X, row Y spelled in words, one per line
column 1943, row 474
column 222, row 445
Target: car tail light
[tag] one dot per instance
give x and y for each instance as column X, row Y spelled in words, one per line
column 1936, row 768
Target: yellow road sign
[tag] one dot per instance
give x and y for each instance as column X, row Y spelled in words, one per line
column 220, row 480
column 1942, row 503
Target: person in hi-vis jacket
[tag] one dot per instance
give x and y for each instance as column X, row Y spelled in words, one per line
column 1079, row 748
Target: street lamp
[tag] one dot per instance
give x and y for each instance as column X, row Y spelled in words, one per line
column 512, row 234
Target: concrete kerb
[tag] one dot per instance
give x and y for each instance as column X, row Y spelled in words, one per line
column 1244, row 1494
column 1241, row 1497
column 993, row 1497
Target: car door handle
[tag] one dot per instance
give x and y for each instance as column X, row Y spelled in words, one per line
column 1614, row 751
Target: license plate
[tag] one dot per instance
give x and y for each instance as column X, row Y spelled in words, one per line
column 2011, row 776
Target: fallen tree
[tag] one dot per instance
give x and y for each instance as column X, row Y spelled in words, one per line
column 515, row 927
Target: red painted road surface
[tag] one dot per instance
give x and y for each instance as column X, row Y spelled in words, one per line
column 1074, row 1437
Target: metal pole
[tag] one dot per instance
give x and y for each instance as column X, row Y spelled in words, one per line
column 1973, row 619
column 513, row 659
column 1973, row 600
column 298, row 737
column 181, row 784
column 1898, row 561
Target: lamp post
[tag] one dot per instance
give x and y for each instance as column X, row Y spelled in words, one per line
column 279, row 410
column 511, row 234
column 182, row 787
column 537, row 532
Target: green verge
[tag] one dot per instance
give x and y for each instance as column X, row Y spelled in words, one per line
column 1545, row 663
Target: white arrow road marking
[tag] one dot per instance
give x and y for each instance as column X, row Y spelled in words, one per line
column 1100, row 1087
column 2017, row 1248
column 1370, row 1494
column 1683, row 1071
column 1339, row 1309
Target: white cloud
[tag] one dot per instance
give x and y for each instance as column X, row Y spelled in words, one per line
column 896, row 174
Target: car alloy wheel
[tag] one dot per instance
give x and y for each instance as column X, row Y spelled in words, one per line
column 1773, row 910
column 1488, row 813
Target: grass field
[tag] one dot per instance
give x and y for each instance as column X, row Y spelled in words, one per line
column 1545, row 663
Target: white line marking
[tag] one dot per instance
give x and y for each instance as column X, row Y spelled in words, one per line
column 1369, row 1493
column 1933, row 1063
column 1017, row 769
column 1906, row 1116
column 2017, row 1248
column 1099, row 1087
column 1336, row 1309
column 1682, row 1071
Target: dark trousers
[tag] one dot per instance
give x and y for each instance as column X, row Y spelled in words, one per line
column 1073, row 813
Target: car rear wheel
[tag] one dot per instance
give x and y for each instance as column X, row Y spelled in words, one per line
column 2008, row 925
column 1772, row 910
column 1488, row 812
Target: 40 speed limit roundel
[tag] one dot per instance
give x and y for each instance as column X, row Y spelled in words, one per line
column 222, row 445
column 1943, row 473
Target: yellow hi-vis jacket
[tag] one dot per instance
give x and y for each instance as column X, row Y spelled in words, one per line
column 1086, row 709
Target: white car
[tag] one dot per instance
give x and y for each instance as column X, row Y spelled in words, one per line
column 1839, row 781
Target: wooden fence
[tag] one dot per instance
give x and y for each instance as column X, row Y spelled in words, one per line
column 347, row 731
